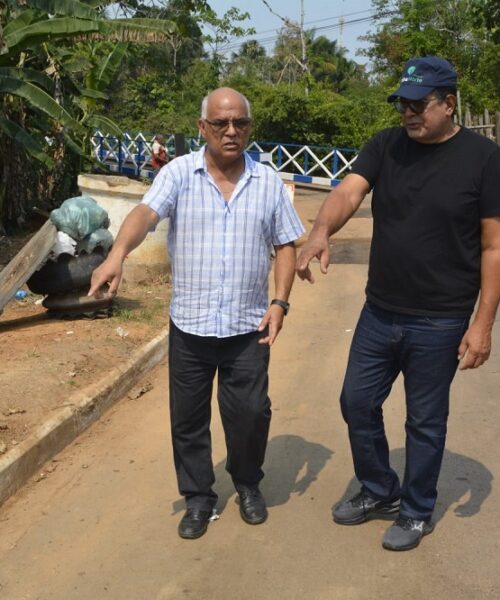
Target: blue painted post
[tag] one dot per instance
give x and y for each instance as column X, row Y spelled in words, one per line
column 139, row 157
column 335, row 164
column 280, row 157
column 102, row 151
column 306, row 162
column 120, row 155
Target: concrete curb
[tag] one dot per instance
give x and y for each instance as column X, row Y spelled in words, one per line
column 87, row 405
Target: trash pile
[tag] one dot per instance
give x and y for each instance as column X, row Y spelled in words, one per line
column 82, row 244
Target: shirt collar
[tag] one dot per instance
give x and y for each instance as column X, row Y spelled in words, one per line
column 200, row 163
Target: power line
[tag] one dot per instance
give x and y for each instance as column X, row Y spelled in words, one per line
column 336, row 17
column 270, row 39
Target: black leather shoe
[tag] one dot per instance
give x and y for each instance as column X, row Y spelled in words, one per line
column 194, row 523
column 252, row 505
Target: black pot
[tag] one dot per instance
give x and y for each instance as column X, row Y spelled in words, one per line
column 66, row 274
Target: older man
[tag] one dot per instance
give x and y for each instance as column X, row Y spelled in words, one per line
column 227, row 214
column 436, row 243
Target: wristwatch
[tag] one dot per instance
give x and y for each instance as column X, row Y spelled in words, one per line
column 284, row 305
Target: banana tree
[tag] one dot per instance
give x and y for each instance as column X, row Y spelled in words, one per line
column 47, row 106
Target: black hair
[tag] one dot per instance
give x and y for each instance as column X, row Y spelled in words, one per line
column 442, row 92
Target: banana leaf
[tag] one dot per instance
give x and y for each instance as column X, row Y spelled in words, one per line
column 49, row 30
column 67, row 8
column 104, row 124
column 110, row 66
column 29, row 144
column 39, row 99
column 29, row 75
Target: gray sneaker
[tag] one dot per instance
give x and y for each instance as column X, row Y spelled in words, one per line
column 406, row 533
column 361, row 507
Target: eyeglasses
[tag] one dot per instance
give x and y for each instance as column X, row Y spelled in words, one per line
column 416, row 106
column 221, row 125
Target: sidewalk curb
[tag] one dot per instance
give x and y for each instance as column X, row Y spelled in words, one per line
column 87, row 405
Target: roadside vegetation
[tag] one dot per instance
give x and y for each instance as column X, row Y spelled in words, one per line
column 68, row 67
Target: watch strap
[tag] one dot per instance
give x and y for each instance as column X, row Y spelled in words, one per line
column 284, row 305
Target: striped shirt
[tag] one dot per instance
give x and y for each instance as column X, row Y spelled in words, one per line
column 220, row 251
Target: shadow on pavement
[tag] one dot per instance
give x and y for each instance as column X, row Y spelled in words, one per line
column 350, row 251
column 462, row 480
column 287, row 458
column 292, row 464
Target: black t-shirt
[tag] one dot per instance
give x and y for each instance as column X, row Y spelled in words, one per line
column 427, row 203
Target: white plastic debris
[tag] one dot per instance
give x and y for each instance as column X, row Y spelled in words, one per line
column 64, row 244
column 215, row 515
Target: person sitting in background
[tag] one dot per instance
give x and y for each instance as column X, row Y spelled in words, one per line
column 159, row 154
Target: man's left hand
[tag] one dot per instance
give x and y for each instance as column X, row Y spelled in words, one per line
column 475, row 347
column 273, row 319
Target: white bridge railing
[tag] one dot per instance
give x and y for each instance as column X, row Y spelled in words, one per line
column 324, row 165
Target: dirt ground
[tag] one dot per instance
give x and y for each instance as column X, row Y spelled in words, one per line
column 103, row 523
column 44, row 359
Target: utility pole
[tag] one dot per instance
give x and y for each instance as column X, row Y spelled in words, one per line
column 300, row 28
column 302, row 37
column 341, row 28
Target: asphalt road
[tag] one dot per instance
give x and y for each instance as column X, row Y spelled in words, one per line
column 103, row 523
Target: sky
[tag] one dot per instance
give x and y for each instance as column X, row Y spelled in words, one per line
column 319, row 14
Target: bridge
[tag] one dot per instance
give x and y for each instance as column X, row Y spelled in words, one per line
column 323, row 165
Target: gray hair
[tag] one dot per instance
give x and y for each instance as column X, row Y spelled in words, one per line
column 204, row 106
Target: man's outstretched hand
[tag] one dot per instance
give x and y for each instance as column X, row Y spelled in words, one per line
column 110, row 273
column 313, row 248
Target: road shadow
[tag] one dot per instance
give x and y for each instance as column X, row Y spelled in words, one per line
column 42, row 318
column 78, row 313
column 462, row 479
column 292, row 464
column 350, row 251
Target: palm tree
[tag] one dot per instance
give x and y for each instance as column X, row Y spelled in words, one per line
column 328, row 63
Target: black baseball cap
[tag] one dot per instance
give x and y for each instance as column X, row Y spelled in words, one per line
column 423, row 75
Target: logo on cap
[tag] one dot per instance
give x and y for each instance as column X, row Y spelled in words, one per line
column 411, row 70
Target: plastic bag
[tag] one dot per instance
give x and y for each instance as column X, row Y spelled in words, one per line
column 64, row 244
column 100, row 238
column 79, row 216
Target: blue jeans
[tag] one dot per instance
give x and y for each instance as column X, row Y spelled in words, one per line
column 425, row 350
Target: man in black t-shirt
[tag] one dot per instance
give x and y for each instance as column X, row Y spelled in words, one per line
column 435, row 246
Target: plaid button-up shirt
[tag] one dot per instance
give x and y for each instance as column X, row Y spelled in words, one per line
column 220, row 251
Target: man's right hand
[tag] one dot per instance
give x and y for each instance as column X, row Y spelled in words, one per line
column 133, row 230
column 109, row 272
column 315, row 247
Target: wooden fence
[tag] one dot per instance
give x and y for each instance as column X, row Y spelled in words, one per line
column 485, row 124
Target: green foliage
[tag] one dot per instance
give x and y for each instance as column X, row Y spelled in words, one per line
column 67, row 67
column 221, row 31
column 466, row 32
column 250, row 62
column 283, row 113
column 52, row 89
column 328, row 63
